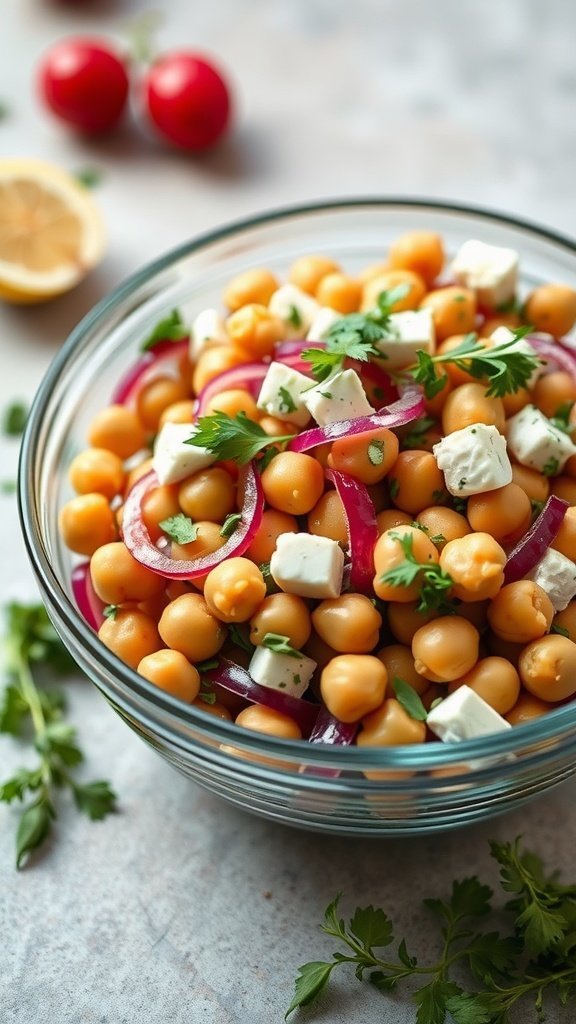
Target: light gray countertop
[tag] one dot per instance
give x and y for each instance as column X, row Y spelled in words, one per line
column 181, row 908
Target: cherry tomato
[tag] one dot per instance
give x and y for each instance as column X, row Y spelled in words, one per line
column 85, row 83
column 187, row 100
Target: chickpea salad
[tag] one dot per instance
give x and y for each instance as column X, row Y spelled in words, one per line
column 343, row 508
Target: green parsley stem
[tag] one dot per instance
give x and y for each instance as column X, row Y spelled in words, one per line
column 32, row 697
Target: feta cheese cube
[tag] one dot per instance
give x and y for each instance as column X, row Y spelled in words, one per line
column 208, row 328
column 534, row 441
column 489, row 270
column 308, row 565
column 295, row 308
column 173, row 459
column 556, row 574
column 322, row 322
column 409, row 332
column 463, row 715
column 340, row 397
column 281, row 394
column 281, row 671
column 473, row 460
column 503, row 335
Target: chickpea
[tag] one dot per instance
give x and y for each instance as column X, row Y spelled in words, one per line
column 208, row 540
column 534, row 484
column 186, row 625
column 118, row 429
column 373, row 270
column 390, row 726
column 259, row 718
column 307, row 272
column 419, row 251
column 551, row 308
column 213, row 361
column 353, row 685
column 234, row 589
column 285, row 614
column 293, row 483
column 415, row 481
column 154, row 397
column 404, row 619
column 453, row 310
column 327, row 518
column 254, row 285
column 445, row 649
column 178, row 412
column 553, row 390
column 548, row 668
column 516, row 401
column 565, row 539
column 367, row 457
column 388, row 554
column 564, row 487
column 443, row 524
column 349, row 623
column 526, row 709
column 232, row 402
column 389, row 518
column 391, row 279
column 340, row 292
column 216, row 709
column 476, row 564
column 272, row 426
column 96, row 470
column 86, row 523
column 255, row 331
column 209, row 494
column 469, row 404
column 158, row 504
column 566, row 619
column 131, row 635
column 505, row 513
column 399, row 664
column 264, row 542
column 172, row 672
column 118, row 577
column 495, row 680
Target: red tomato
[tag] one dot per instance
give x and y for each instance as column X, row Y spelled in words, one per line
column 84, row 83
column 187, row 100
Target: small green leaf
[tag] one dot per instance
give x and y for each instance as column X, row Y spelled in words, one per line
column 551, row 468
column 89, row 177
column 207, row 697
column 230, row 524
column 286, row 403
column 372, row 926
column 8, row 486
column 376, row 452
column 470, row 898
column 179, row 528
column 14, row 419
column 23, row 781
column 170, row 328
column 469, row 1008
column 294, row 317
column 111, row 611
column 13, row 711
column 33, row 828
column 280, row 645
column 431, row 1001
column 312, row 980
column 560, row 630
column 96, row 799
column 233, row 437
column 406, row 696
column 59, row 740
column 238, row 635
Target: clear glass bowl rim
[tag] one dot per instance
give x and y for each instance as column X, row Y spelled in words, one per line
column 419, row 757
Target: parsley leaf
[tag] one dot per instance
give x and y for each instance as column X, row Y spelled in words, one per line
column 233, row 437
column 237, row 634
column 551, row 468
column 506, row 367
column 14, row 419
column 313, row 977
column 179, row 528
column 95, row 799
column 230, row 524
column 376, row 452
column 280, row 645
column 170, row 328
column 434, row 581
column 406, row 696
column 294, row 317
column 286, row 403
column 89, row 177
column 416, row 436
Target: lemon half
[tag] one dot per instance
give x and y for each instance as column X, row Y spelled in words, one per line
column 51, row 231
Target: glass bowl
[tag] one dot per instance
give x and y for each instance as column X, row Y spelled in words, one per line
column 417, row 789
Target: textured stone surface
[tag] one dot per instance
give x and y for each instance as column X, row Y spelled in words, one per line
column 181, row 909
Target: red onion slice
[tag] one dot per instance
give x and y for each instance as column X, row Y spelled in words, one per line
column 331, row 730
column 536, row 542
column 409, row 407
column 555, row 351
column 162, row 352
column 248, row 377
column 361, row 526
column 138, row 542
column 237, row 680
column 89, row 604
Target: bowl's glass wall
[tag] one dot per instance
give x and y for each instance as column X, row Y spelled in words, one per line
column 420, row 788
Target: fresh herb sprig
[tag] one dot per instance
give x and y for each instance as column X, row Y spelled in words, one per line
column 29, row 710
column 434, row 581
column 170, row 328
column 233, row 437
column 14, row 419
column 506, row 367
column 355, row 336
column 179, row 528
column 505, row 971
